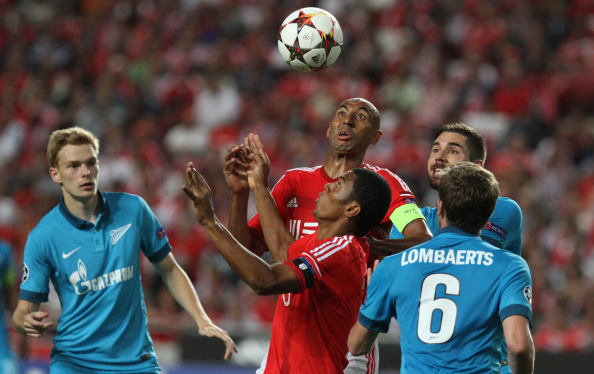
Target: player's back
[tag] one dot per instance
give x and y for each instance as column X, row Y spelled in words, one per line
column 450, row 294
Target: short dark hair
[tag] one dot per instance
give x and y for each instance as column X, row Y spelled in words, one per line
column 477, row 147
column 468, row 193
column 374, row 195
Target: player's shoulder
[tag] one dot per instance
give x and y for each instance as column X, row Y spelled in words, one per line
column 297, row 175
column 47, row 223
column 123, row 200
column 508, row 204
column 303, row 170
column 386, row 173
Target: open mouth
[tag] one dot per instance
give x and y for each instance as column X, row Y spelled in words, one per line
column 343, row 135
column 439, row 171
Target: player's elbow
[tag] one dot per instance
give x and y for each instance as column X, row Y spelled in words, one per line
column 356, row 348
column 357, row 351
column 521, row 347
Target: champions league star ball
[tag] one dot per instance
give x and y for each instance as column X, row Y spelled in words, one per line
column 310, row 39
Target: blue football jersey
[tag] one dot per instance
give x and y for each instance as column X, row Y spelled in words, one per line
column 95, row 270
column 450, row 296
column 504, row 229
column 8, row 363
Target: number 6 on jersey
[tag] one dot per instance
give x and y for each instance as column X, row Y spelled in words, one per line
column 429, row 304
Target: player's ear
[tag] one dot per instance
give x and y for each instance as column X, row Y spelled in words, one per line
column 376, row 137
column 352, row 209
column 440, row 209
column 55, row 174
column 328, row 130
column 480, row 163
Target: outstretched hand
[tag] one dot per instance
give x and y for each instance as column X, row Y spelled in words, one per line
column 199, row 192
column 259, row 167
column 235, row 169
column 212, row 330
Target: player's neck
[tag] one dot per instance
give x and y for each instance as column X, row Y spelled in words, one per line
column 85, row 209
column 337, row 165
column 334, row 228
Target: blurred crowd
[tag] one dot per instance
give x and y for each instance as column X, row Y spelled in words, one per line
column 164, row 82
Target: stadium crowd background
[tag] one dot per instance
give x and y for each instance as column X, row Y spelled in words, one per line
column 167, row 82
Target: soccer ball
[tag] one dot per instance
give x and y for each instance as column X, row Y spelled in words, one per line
column 310, row 39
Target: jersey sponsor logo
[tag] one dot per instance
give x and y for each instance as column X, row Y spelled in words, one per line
column 118, row 233
column 528, row 294
column 25, row 273
column 66, row 255
column 450, row 256
column 292, row 203
column 81, row 285
column 496, row 229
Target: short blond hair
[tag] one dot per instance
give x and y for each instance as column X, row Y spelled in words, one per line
column 70, row 136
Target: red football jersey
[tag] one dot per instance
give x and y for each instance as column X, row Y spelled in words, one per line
column 297, row 190
column 311, row 327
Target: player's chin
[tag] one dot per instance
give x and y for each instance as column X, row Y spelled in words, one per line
column 434, row 181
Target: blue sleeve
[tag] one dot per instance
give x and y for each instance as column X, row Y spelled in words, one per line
column 154, row 242
column 516, row 292
column 379, row 307
column 504, row 229
column 37, row 270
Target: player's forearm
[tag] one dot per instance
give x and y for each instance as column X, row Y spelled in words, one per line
column 254, row 271
column 183, row 292
column 360, row 340
column 18, row 320
column 389, row 247
column 278, row 238
column 238, row 221
column 521, row 363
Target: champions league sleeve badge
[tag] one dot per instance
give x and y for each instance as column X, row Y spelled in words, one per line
column 25, row 273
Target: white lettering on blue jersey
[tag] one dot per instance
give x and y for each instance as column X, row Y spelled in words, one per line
column 440, row 256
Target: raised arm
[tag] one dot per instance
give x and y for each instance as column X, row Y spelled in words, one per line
column 28, row 320
column 235, row 173
column 263, row 278
column 183, row 292
column 278, row 237
column 416, row 232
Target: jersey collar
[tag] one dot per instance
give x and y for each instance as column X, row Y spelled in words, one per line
column 81, row 223
column 454, row 230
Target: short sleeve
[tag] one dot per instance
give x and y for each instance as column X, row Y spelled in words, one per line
column 37, row 270
column 516, row 292
column 154, row 242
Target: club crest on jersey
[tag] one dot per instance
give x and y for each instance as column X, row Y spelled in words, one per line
column 25, row 273
column 528, row 294
column 118, row 233
column 496, row 229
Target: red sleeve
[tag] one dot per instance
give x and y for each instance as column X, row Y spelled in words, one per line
column 282, row 188
column 401, row 193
